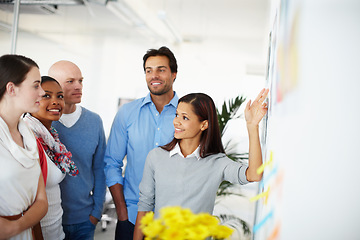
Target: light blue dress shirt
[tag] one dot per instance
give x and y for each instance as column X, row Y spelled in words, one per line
column 137, row 128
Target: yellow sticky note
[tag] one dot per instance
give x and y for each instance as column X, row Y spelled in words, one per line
column 265, row 164
column 261, row 195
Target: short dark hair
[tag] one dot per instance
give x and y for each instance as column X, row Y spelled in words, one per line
column 163, row 51
column 204, row 108
column 14, row 68
column 45, row 79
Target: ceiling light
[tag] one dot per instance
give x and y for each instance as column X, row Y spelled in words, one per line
column 163, row 17
column 125, row 13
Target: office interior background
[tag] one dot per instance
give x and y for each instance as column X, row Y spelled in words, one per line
column 220, row 45
column 306, row 52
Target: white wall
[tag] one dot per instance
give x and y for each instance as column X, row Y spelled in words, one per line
column 112, row 65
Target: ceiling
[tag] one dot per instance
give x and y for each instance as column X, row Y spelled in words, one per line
column 220, row 45
column 197, row 21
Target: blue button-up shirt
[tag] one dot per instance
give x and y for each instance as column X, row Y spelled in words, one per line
column 137, row 128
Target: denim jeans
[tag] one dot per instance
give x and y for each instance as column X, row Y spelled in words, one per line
column 124, row 230
column 79, row 231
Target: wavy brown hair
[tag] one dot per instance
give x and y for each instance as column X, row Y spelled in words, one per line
column 204, row 108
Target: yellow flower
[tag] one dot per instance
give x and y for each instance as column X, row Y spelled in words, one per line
column 148, row 218
column 169, row 212
column 172, row 216
column 207, row 220
column 172, row 234
column 176, row 223
column 222, row 232
column 153, row 229
column 197, row 232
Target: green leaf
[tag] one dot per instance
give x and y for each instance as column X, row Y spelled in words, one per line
column 229, row 111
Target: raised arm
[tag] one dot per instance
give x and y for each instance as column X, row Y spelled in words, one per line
column 254, row 112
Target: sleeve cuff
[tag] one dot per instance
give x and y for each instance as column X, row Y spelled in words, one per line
column 96, row 214
column 242, row 175
column 113, row 177
column 143, row 207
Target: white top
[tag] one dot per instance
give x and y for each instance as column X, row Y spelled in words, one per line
column 68, row 120
column 55, row 211
column 19, row 173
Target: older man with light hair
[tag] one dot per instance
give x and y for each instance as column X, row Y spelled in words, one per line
column 82, row 133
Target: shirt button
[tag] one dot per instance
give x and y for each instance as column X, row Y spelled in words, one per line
column 157, row 114
column 158, row 129
column 157, row 144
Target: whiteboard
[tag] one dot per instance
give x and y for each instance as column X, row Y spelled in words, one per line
column 310, row 187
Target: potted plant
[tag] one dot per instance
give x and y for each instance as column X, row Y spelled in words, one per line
column 229, row 111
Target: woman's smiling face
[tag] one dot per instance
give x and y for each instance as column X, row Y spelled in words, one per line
column 51, row 104
column 186, row 122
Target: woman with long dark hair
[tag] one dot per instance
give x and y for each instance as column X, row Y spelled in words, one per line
column 188, row 171
column 23, row 199
column 58, row 158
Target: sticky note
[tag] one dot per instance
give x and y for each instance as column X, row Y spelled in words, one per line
column 261, row 195
column 265, row 164
column 262, row 222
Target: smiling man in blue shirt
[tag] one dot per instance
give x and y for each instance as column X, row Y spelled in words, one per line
column 138, row 127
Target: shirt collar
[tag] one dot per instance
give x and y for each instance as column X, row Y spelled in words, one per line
column 173, row 102
column 147, row 100
column 176, row 150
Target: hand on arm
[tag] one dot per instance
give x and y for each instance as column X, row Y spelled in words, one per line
column 8, row 228
column 138, row 235
column 254, row 112
column 119, row 200
column 31, row 217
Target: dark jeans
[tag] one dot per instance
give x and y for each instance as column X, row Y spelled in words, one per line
column 80, row 231
column 124, row 230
